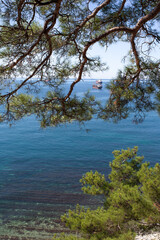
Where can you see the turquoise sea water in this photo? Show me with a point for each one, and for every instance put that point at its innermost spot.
(40, 168)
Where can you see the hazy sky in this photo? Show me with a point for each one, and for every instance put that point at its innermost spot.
(114, 56)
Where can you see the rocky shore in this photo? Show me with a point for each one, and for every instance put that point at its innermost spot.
(149, 236)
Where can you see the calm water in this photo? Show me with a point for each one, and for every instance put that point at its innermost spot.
(40, 168)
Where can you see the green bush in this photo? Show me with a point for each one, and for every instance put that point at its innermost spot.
(132, 195)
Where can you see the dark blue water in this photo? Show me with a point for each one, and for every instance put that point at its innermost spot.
(40, 168)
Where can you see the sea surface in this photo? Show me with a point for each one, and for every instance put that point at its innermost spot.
(40, 168)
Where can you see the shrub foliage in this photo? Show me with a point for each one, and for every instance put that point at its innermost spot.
(131, 199)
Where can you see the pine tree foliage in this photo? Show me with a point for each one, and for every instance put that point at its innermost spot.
(44, 42)
(131, 198)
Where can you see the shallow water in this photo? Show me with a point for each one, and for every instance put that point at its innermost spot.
(40, 168)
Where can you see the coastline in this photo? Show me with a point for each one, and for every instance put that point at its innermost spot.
(148, 236)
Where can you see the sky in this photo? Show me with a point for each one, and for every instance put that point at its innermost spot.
(114, 56)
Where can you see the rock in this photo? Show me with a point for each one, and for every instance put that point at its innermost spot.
(151, 236)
